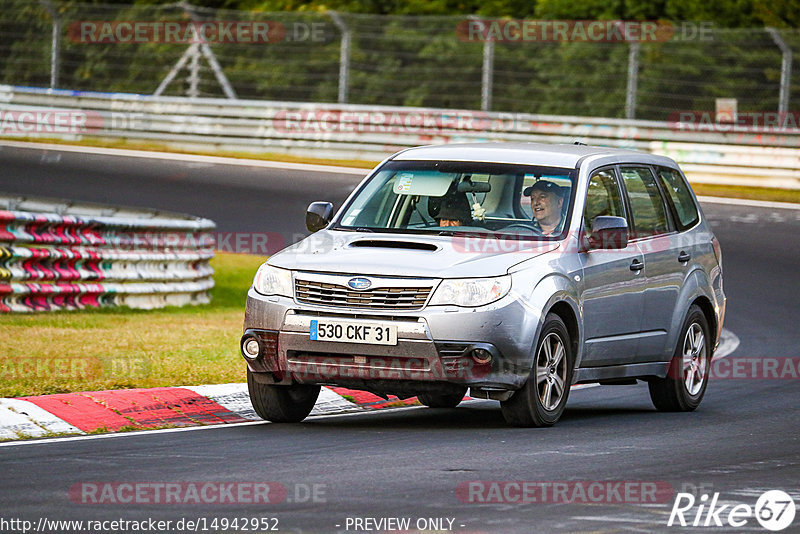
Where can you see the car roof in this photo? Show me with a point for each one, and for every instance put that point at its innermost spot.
(557, 155)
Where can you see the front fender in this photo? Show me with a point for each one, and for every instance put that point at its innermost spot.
(555, 289)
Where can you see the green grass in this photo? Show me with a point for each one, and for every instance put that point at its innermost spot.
(752, 193)
(118, 348)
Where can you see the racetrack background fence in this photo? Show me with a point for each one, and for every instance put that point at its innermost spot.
(717, 153)
(419, 61)
(63, 256)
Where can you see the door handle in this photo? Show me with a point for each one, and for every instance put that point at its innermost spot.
(637, 266)
(684, 257)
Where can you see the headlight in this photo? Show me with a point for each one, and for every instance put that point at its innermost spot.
(270, 280)
(471, 292)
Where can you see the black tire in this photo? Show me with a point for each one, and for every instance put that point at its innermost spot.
(526, 406)
(281, 404)
(442, 400)
(675, 393)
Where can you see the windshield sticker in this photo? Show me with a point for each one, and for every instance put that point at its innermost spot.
(403, 183)
(423, 183)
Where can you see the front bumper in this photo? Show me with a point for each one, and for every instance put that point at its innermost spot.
(434, 346)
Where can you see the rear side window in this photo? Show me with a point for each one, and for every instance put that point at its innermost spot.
(647, 205)
(679, 195)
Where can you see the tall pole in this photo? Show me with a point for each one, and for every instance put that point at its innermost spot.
(786, 71)
(487, 68)
(487, 75)
(633, 80)
(344, 56)
(55, 43)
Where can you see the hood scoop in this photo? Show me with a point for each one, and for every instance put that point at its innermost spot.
(386, 243)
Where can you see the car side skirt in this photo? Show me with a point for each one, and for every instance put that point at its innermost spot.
(586, 375)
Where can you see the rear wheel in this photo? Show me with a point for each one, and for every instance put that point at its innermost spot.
(687, 377)
(442, 400)
(281, 404)
(541, 401)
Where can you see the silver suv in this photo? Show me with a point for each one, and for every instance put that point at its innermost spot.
(514, 270)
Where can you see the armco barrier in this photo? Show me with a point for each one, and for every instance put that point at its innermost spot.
(713, 153)
(57, 255)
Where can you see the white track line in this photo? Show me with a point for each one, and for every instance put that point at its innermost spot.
(192, 428)
(728, 343)
(751, 203)
(174, 156)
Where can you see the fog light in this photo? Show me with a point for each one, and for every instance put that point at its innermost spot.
(251, 348)
(481, 356)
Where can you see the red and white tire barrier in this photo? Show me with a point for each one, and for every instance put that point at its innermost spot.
(58, 255)
(139, 409)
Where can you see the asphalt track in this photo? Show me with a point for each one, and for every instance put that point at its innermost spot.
(742, 441)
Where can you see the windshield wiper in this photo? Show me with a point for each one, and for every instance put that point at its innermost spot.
(463, 232)
(354, 229)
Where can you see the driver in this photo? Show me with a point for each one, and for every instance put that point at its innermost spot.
(547, 199)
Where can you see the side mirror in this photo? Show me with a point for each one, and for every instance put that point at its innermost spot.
(318, 215)
(609, 233)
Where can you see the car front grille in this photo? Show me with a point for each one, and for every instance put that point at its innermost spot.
(379, 298)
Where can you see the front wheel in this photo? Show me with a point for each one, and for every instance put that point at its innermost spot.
(281, 404)
(687, 377)
(541, 401)
(442, 400)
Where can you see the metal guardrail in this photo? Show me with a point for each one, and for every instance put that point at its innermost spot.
(712, 153)
(64, 256)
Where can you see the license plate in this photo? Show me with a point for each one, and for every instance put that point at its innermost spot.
(344, 332)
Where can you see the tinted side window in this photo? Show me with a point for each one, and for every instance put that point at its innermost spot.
(678, 191)
(647, 205)
(602, 197)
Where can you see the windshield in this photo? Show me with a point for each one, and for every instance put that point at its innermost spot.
(473, 197)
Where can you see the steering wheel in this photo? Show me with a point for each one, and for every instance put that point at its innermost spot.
(522, 226)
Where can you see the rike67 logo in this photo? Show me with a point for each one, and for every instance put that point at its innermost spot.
(774, 510)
